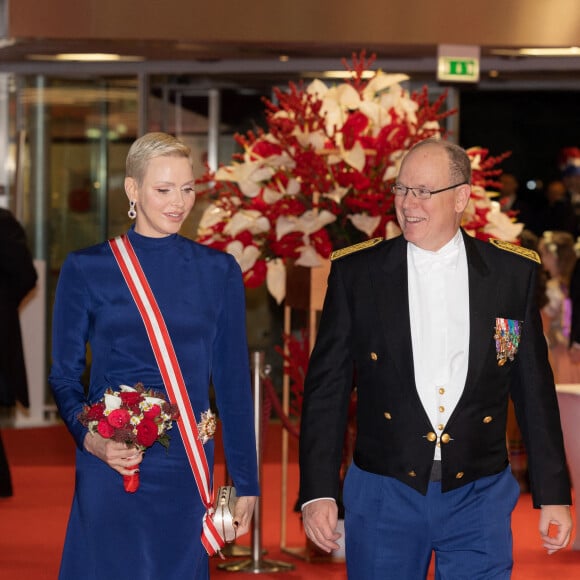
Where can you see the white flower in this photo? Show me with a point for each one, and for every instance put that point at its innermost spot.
(245, 256)
(502, 227)
(337, 193)
(212, 216)
(276, 279)
(248, 176)
(151, 401)
(337, 101)
(112, 402)
(309, 222)
(249, 219)
(309, 258)
(355, 157)
(365, 223)
(315, 139)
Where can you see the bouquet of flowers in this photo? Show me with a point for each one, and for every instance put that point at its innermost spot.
(319, 177)
(135, 416)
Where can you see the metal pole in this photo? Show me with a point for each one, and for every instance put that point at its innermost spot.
(257, 565)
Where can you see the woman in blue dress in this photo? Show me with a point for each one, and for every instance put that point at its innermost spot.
(155, 532)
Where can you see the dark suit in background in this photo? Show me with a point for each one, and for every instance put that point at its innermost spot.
(17, 279)
(575, 299)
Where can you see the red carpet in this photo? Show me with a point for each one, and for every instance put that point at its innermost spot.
(33, 522)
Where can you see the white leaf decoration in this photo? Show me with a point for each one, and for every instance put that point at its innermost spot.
(245, 256)
(365, 223)
(355, 157)
(309, 257)
(212, 216)
(276, 279)
(251, 220)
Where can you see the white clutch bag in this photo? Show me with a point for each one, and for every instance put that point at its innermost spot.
(223, 517)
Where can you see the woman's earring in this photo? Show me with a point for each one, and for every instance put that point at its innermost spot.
(132, 212)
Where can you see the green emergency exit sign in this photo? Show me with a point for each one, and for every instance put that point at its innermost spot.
(458, 69)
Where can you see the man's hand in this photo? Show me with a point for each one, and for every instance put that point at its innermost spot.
(320, 518)
(558, 518)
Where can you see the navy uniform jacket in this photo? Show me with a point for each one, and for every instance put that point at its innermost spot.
(364, 339)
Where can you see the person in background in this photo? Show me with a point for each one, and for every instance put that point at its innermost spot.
(155, 532)
(559, 260)
(555, 212)
(574, 342)
(510, 200)
(516, 447)
(436, 330)
(17, 278)
(570, 169)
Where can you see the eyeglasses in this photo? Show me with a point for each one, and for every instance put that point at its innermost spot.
(420, 192)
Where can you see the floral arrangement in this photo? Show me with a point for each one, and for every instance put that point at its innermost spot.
(319, 178)
(136, 416)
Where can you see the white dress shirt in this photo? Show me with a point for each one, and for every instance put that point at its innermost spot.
(439, 313)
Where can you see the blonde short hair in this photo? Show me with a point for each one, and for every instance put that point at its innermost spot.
(149, 146)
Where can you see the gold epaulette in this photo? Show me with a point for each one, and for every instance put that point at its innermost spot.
(354, 248)
(509, 247)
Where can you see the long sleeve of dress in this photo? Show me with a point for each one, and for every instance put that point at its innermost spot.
(70, 329)
(231, 378)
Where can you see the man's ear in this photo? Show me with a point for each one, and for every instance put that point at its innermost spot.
(462, 197)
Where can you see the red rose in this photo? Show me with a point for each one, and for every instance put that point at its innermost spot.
(154, 412)
(130, 398)
(119, 418)
(105, 429)
(146, 433)
(95, 411)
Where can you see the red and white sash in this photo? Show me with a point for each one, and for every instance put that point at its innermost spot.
(173, 380)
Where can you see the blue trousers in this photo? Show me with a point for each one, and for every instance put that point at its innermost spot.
(391, 530)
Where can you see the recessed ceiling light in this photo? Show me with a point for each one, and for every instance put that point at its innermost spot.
(86, 57)
(567, 51)
(344, 74)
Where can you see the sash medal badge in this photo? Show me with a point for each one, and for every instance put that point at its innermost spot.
(507, 339)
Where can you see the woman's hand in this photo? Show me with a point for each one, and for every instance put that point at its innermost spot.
(243, 513)
(116, 455)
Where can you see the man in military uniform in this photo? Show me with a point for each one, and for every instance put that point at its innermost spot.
(436, 330)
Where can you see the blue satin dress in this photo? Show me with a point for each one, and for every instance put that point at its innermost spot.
(154, 533)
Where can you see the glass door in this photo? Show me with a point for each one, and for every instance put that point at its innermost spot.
(70, 140)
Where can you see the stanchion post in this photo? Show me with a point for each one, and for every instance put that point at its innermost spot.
(257, 565)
